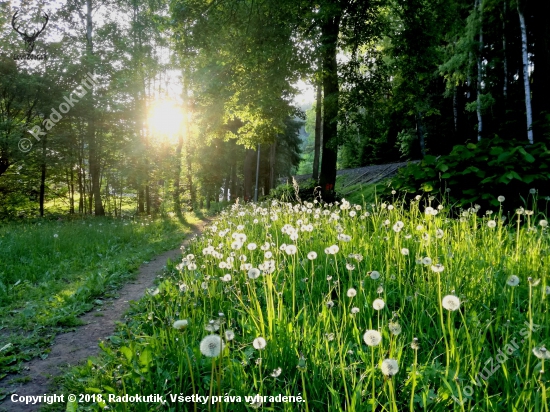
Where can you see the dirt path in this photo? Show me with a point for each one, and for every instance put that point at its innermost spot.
(73, 347)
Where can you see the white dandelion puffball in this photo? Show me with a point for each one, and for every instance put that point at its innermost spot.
(372, 337)
(389, 367)
(334, 249)
(211, 346)
(312, 255)
(501, 199)
(541, 353)
(229, 335)
(543, 223)
(491, 224)
(354, 310)
(374, 274)
(378, 304)
(180, 324)
(226, 278)
(259, 343)
(252, 246)
(351, 293)
(405, 251)
(427, 261)
(254, 273)
(291, 250)
(276, 372)
(395, 328)
(450, 302)
(512, 280)
(438, 268)
(55, 235)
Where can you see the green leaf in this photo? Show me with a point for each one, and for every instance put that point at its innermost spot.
(514, 175)
(503, 156)
(146, 357)
(72, 406)
(427, 187)
(127, 352)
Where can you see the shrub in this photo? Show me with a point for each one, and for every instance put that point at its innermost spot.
(479, 173)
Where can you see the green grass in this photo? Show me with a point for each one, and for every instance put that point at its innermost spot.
(314, 313)
(53, 271)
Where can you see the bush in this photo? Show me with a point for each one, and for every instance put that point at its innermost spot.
(479, 173)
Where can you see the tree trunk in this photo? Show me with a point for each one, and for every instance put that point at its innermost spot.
(71, 191)
(233, 186)
(43, 175)
(479, 73)
(540, 75)
(528, 112)
(455, 109)
(188, 159)
(330, 28)
(248, 174)
(272, 165)
(420, 131)
(148, 199)
(318, 120)
(141, 200)
(504, 60)
(92, 142)
(226, 186)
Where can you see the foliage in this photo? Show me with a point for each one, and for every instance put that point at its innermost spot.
(479, 173)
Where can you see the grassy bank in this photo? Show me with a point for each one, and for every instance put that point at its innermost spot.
(53, 271)
(355, 308)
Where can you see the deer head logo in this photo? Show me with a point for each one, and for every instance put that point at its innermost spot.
(29, 39)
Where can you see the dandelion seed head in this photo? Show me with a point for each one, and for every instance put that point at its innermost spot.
(372, 337)
(211, 346)
(276, 372)
(254, 273)
(351, 292)
(259, 343)
(378, 304)
(512, 280)
(374, 274)
(395, 328)
(312, 255)
(541, 352)
(450, 302)
(180, 324)
(389, 367)
(437, 268)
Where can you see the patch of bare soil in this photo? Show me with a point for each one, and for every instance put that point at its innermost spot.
(74, 347)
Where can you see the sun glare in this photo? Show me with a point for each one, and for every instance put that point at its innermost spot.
(165, 118)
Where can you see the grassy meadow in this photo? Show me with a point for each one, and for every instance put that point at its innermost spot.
(340, 308)
(53, 271)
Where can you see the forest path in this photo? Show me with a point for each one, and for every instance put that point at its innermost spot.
(71, 348)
